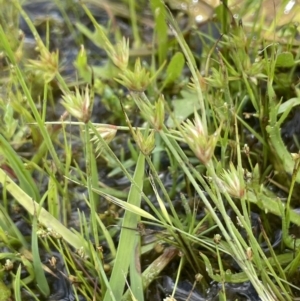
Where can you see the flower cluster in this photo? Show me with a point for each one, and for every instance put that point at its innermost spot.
(79, 104)
(196, 136)
(233, 181)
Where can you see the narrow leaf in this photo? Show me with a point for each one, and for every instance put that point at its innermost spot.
(44, 217)
(23, 175)
(37, 264)
(17, 285)
(127, 237)
(174, 69)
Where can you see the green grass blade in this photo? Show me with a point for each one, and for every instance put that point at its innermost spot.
(156, 267)
(92, 178)
(23, 175)
(37, 264)
(161, 28)
(44, 217)
(21, 79)
(279, 150)
(136, 283)
(17, 285)
(11, 230)
(127, 237)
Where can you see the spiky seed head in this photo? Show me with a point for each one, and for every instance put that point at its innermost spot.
(79, 104)
(120, 54)
(159, 113)
(137, 80)
(233, 181)
(108, 133)
(145, 144)
(196, 136)
(217, 238)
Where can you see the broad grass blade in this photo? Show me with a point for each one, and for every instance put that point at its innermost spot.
(127, 238)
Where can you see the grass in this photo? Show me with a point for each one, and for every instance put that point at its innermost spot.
(232, 195)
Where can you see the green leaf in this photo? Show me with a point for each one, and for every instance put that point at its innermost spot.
(21, 81)
(229, 277)
(127, 206)
(10, 235)
(37, 264)
(26, 181)
(127, 242)
(281, 156)
(161, 28)
(174, 68)
(288, 105)
(184, 107)
(17, 285)
(96, 36)
(44, 217)
(5, 292)
(82, 67)
(285, 60)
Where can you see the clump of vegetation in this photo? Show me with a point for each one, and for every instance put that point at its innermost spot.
(162, 165)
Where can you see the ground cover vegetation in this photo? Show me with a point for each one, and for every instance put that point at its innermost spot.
(149, 150)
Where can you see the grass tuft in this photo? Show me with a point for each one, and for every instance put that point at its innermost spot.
(149, 149)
